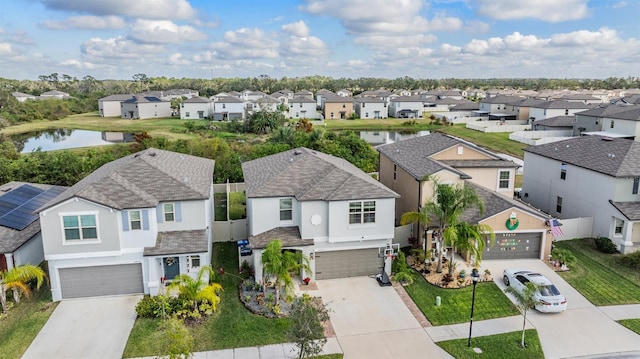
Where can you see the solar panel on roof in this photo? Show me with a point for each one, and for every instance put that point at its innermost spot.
(17, 207)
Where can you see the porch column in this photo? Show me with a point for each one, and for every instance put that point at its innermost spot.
(9, 258)
(627, 237)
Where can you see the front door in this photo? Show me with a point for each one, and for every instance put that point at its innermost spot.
(171, 267)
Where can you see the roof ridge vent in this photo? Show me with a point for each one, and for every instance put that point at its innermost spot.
(297, 152)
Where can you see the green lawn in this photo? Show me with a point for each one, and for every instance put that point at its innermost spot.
(600, 277)
(220, 206)
(497, 346)
(494, 141)
(455, 306)
(633, 324)
(22, 323)
(237, 206)
(232, 326)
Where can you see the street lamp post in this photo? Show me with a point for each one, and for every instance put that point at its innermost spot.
(474, 277)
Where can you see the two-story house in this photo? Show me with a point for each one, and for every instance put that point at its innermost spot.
(500, 107)
(227, 108)
(303, 107)
(371, 107)
(130, 225)
(588, 176)
(141, 107)
(110, 106)
(406, 107)
(336, 215)
(615, 120)
(411, 166)
(337, 107)
(556, 108)
(196, 108)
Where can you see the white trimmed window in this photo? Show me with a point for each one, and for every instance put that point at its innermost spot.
(286, 209)
(193, 262)
(503, 182)
(169, 212)
(80, 227)
(135, 219)
(362, 212)
(619, 225)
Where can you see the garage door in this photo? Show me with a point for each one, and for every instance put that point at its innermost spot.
(340, 264)
(101, 280)
(514, 246)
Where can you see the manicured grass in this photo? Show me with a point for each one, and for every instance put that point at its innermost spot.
(237, 206)
(22, 323)
(455, 306)
(497, 346)
(494, 141)
(633, 324)
(386, 124)
(600, 277)
(232, 326)
(220, 206)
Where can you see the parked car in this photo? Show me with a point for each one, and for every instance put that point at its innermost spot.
(549, 299)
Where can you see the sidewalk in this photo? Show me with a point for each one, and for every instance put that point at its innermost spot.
(480, 328)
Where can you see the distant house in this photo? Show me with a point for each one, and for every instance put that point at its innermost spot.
(338, 107)
(303, 107)
(54, 94)
(266, 103)
(500, 107)
(303, 93)
(129, 226)
(344, 93)
(618, 120)
(556, 108)
(141, 107)
(588, 176)
(20, 235)
(320, 96)
(553, 123)
(196, 108)
(110, 106)
(22, 97)
(371, 107)
(406, 107)
(227, 108)
(524, 108)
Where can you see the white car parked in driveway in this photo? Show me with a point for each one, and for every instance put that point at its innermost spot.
(548, 298)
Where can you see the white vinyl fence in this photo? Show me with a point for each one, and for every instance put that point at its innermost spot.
(581, 227)
(402, 234)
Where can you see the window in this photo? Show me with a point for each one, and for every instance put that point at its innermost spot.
(395, 172)
(559, 204)
(286, 209)
(636, 181)
(169, 212)
(193, 262)
(135, 219)
(224, 105)
(186, 114)
(612, 123)
(362, 212)
(460, 150)
(366, 114)
(363, 104)
(566, 112)
(80, 227)
(619, 225)
(504, 179)
(344, 105)
(331, 114)
(563, 171)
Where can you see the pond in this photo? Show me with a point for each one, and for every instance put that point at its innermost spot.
(64, 138)
(377, 138)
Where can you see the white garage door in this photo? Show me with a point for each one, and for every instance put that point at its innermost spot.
(353, 263)
(101, 280)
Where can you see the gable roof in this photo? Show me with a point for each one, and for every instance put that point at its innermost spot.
(617, 157)
(143, 99)
(561, 104)
(414, 98)
(197, 99)
(117, 97)
(556, 121)
(495, 203)
(605, 110)
(414, 155)
(11, 239)
(302, 99)
(502, 99)
(310, 175)
(143, 179)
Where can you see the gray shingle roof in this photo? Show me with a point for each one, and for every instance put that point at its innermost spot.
(197, 99)
(12, 239)
(414, 155)
(495, 203)
(528, 102)
(557, 121)
(616, 157)
(301, 100)
(467, 106)
(229, 99)
(117, 97)
(290, 237)
(502, 99)
(560, 104)
(368, 99)
(631, 210)
(143, 179)
(414, 98)
(496, 163)
(310, 175)
(605, 110)
(179, 242)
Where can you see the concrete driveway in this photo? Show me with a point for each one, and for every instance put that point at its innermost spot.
(583, 329)
(372, 321)
(86, 328)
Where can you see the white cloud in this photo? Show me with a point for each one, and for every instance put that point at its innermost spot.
(483, 47)
(450, 49)
(177, 59)
(86, 23)
(382, 42)
(148, 9)
(6, 48)
(545, 10)
(82, 65)
(164, 31)
(603, 37)
(298, 28)
(517, 40)
(119, 48)
(246, 43)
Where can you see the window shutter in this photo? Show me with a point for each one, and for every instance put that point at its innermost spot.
(159, 213)
(145, 219)
(125, 220)
(177, 207)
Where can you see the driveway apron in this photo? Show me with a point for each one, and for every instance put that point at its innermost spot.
(372, 321)
(86, 328)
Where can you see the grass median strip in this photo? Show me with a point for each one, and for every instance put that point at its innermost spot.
(497, 346)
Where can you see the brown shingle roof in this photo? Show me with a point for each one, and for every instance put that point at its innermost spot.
(290, 237)
(179, 242)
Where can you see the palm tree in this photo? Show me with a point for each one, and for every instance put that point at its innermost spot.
(468, 238)
(279, 265)
(17, 279)
(198, 289)
(525, 300)
(446, 207)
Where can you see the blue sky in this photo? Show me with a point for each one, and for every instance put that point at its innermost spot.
(115, 39)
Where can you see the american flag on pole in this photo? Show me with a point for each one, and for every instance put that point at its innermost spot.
(555, 227)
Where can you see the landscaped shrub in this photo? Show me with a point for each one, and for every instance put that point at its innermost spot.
(631, 260)
(154, 307)
(605, 245)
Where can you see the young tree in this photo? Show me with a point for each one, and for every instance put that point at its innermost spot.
(307, 332)
(17, 279)
(176, 340)
(469, 238)
(525, 300)
(198, 289)
(279, 264)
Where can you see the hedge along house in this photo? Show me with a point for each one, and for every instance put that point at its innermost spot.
(130, 225)
(410, 166)
(323, 206)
